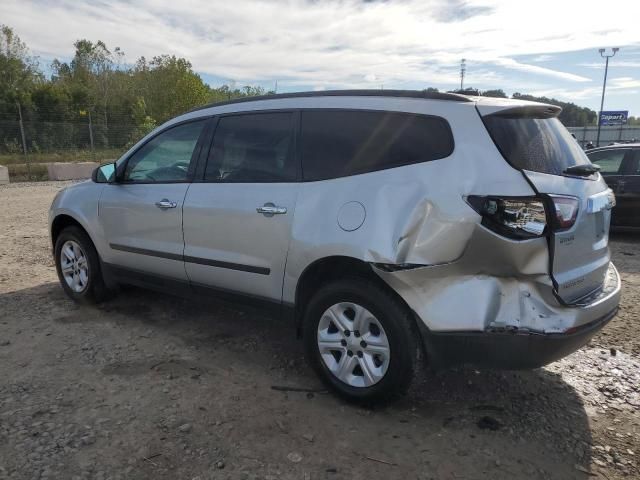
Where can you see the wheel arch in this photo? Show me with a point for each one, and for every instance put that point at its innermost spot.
(326, 269)
(62, 221)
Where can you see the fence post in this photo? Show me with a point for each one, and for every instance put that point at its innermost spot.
(24, 142)
(90, 131)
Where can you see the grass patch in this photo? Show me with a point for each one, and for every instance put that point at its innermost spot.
(20, 173)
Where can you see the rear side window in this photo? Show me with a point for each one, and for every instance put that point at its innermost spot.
(338, 143)
(635, 164)
(253, 148)
(538, 144)
(609, 161)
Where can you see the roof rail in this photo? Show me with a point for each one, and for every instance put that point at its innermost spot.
(346, 93)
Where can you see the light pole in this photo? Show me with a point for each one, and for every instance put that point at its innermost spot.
(604, 86)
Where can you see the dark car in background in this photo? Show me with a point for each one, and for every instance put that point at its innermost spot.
(620, 167)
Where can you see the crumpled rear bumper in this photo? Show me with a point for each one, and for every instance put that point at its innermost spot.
(508, 322)
(507, 350)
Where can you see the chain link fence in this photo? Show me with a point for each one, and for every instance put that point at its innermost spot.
(31, 139)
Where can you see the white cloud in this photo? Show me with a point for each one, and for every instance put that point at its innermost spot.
(510, 63)
(542, 58)
(612, 63)
(571, 95)
(624, 83)
(349, 43)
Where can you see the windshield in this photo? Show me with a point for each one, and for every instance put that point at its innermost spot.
(538, 144)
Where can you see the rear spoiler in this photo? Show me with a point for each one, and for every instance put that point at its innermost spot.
(521, 111)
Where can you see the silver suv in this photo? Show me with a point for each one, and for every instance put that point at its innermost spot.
(385, 224)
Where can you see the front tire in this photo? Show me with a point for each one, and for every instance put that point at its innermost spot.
(361, 340)
(78, 267)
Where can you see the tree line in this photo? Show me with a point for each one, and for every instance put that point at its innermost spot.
(119, 101)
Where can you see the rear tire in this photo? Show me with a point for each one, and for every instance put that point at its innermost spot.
(78, 267)
(368, 366)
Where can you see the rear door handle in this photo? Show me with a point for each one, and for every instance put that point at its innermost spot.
(269, 210)
(164, 203)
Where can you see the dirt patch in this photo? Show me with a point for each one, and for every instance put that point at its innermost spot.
(149, 387)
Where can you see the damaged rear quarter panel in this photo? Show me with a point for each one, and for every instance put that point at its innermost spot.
(497, 283)
(414, 214)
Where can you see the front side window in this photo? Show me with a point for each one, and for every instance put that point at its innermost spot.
(339, 143)
(166, 157)
(253, 148)
(609, 161)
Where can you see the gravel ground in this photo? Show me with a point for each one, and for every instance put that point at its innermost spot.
(148, 386)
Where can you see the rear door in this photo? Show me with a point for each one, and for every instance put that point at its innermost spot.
(532, 140)
(238, 217)
(613, 163)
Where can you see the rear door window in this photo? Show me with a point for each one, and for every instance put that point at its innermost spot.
(609, 161)
(253, 148)
(339, 143)
(538, 144)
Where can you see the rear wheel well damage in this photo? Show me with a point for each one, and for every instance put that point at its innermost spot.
(329, 269)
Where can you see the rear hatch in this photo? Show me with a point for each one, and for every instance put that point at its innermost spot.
(533, 140)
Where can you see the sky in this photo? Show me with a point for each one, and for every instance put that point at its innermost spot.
(541, 47)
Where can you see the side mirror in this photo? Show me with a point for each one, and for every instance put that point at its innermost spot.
(104, 173)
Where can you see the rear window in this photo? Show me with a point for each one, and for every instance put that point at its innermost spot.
(338, 143)
(538, 144)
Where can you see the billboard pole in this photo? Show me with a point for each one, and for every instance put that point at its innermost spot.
(604, 86)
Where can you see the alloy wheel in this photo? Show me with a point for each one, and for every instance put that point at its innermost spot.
(74, 266)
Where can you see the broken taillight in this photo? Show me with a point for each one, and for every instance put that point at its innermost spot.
(566, 211)
(513, 217)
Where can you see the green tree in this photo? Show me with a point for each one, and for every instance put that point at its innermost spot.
(169, 86)
(19, 72)
(499, 93)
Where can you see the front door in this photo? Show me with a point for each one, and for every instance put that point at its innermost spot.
(237, 219)
(141, 213)
(628, 191)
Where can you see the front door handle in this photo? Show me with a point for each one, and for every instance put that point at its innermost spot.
(269, 210)
(164, 203)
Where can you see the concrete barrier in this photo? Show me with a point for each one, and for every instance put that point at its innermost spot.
(4, 175)
(71, 171)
